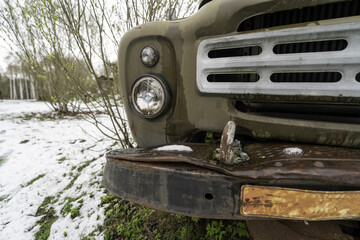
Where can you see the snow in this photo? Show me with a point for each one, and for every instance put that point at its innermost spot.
(55, 148)
(180, 148)
(293, 151)
(15, 108)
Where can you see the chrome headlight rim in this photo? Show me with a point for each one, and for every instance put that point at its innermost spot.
(165, 89)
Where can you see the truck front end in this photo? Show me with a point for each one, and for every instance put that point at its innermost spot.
(282, 77)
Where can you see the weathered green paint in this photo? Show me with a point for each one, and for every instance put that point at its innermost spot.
(192, 111)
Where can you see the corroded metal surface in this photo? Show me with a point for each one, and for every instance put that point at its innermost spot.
(178, 188)
(299, 204)
(191, 183)
(271, 163)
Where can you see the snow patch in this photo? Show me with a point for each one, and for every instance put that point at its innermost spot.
(293, 151)
(32, 147)
(180, 148)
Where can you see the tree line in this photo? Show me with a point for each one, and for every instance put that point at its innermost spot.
(67, 50)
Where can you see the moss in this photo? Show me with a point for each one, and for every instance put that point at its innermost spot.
(34, 180)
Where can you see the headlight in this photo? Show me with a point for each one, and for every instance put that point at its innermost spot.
(149, 56)
(150, 96)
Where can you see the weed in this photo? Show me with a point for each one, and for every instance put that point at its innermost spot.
(242, 230)
(47, 220)
(45, 225)
(194, 219)
(4, 198)
(75, 212)
(61, 160)
(68, 206)
(2, 160)
(43, 208)
(215, 230)
(229, 230)
(87, 163)
(33, 180)
(72, 181)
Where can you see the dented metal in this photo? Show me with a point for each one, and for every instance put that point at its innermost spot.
(191, 183)
(317, 166)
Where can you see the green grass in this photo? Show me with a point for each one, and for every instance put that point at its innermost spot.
(126, 220)
(4, 198)
(72, 181)
(34, 180)
(2, 160)
(48, 218)
(45, 225)
(68, 206)
(61, 160)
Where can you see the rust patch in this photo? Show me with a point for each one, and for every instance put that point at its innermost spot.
(275, 202)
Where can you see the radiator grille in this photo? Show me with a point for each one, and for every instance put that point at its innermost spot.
(307, 77)
(305, 61)
(314, 46)
(306, 14)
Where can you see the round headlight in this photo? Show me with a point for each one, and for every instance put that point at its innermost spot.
(150, 96)
(149, 56)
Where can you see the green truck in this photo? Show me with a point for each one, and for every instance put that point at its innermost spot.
(249, 109)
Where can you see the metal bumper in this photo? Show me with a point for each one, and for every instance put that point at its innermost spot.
(190, 183)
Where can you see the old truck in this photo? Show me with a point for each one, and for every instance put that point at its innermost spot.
(272, 86)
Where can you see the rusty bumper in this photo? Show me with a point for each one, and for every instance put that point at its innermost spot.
(191, 183)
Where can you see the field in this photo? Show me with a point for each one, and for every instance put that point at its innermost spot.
(50, 185)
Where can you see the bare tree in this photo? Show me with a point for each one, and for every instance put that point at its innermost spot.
(48, 33)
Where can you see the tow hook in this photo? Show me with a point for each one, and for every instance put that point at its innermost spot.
(230, 152)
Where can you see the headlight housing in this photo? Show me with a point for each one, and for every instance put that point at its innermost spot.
(150, 96)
